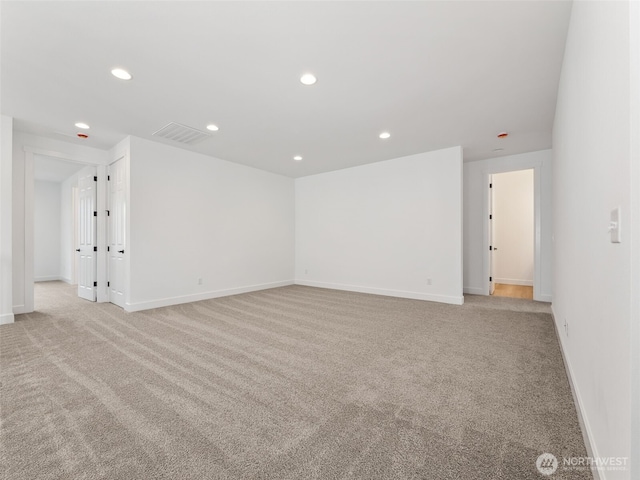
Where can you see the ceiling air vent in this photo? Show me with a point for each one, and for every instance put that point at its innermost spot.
(181, 134)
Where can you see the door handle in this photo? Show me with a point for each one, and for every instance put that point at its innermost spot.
(120, 251)
(77, 249)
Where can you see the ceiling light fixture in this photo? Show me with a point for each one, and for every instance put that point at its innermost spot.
(308, 79)
(82, 125)
(297, 158)
(121, 74)
(384, 135)
(213, 128)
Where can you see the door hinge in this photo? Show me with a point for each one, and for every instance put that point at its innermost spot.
(490, 216)
(490, 247)
(95, 249)
(108, 178)
(490, 279)
(108, 284)
(108, 213)
(108, 249)
(95, 214)
(491, 185)
(95, 179)
(95, 284)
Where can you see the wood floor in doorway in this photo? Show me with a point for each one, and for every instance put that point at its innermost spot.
(513, 291)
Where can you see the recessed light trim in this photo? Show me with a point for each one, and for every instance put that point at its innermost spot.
(121, 73)
(308, 79)
(297, 158)
(82, 125)
(384, 135)
(212, 128)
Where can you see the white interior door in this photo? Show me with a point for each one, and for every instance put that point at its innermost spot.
(117, 223)
(85, 252)
(492, 240)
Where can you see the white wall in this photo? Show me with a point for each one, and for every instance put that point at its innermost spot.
(635, 236)
(67, 224)
(513, 220)
(476, 218)
(592, 279)
(384, 228)
(193, 216)
(24, 147)
(46, 259)
(6, 226)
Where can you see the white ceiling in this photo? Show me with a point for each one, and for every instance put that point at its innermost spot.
(50, 169)
(434, 74)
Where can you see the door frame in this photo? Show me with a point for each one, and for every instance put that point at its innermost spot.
(486, 257)
(29, 226)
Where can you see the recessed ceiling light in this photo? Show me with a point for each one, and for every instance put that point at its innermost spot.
(308, 79)
(297, 158)
(82, 125)
(212, 127)
(121, 74)
(384, 135)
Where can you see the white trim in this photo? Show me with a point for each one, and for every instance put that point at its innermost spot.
(50, 278)
(544, 298)
(513, 281)
(585, 428)
(59, 155)
(7, 318)
(29, 230)
(196, 297)
(473, 290)
(453, 300)
(536, 166)
(19, 309)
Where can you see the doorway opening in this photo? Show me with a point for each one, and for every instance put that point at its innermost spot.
(57, 229)
(512, 234)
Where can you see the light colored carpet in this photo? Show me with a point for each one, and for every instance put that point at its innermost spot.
(288, 383)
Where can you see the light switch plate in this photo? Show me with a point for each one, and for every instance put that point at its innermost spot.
(614, 227)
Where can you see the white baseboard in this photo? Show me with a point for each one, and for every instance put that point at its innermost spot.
(543, 297)
(473, 290)
(196, 297)
(19, 309)
(577, 400)
(7, 318)
(50, 278)
(450, 299)
(513, 281)
(66, 280)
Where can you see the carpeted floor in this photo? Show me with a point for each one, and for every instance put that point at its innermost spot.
(289, 383)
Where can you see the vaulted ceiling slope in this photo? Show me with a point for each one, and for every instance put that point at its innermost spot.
(432, 74)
